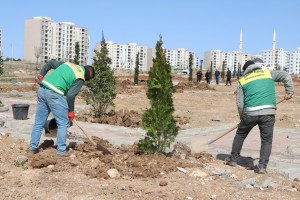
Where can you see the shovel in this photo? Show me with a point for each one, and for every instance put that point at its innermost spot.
(202, 145)
(97, 146)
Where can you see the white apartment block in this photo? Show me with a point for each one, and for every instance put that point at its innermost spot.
(179, 58)
(295, 62)
(55, 40)
(123, 56)
(282, 59)
(0, 42)
(231, 59)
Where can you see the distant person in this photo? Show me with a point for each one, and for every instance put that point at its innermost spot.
(57, 95)
(228, 77)
(217, 76)
(207, 77)
(199, 76)
(256, 103)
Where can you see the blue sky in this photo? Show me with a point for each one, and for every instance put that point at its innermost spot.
(197, 25)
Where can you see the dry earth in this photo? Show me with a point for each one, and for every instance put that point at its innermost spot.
(88, 174)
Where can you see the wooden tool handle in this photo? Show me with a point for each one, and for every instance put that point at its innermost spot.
(88, 136)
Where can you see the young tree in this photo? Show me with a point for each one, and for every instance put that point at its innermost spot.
(223, 70)
(234, 71)
(102, 88)
(77, 51)
(136, 69)
(191, 67)
(239, 72)
(158, 120)
(211, 69)
(1, 64)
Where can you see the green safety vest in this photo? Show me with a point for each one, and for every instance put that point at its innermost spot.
(61, 79)
(259, 90)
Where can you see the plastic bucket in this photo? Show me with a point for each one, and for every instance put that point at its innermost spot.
(51, 126)
(20, 111)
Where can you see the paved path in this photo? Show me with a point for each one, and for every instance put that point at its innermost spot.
(285, 153)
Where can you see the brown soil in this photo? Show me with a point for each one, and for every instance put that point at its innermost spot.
(178, 175)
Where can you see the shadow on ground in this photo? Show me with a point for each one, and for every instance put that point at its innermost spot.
(247, 162)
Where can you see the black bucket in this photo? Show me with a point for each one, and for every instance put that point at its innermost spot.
(20, 111)
(51, 126)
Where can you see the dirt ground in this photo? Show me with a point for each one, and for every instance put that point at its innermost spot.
(88, 174)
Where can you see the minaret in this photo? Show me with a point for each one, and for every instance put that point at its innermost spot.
(241, 47)
(274, 49)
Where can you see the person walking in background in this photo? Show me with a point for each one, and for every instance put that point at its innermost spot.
(228, 77)
(256, 102)
(199, 75)
(217, 76)
(56, 94)
(207, 77)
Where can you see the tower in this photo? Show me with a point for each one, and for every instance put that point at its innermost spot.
(274, 50)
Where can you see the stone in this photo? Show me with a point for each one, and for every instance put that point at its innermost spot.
(297, 179)
(246, 183)
(163, 183)
(50, 166)
(72, 156)
(234, 176)
(182, 170)
(296, 185)
(198, 173)
(113, 173)
(293, 190)
(267, 182)
(213, 196)
(21, 160)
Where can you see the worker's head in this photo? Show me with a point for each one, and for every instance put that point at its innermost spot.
(89, 72)
(247, 64)
(256, 61)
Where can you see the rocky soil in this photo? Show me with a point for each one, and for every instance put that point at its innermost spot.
(126, 174)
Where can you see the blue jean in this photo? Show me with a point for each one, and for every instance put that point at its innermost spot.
(266, 126)
(49, 101)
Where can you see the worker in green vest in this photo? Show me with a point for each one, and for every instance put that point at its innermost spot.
(56, 94)
(256, 102)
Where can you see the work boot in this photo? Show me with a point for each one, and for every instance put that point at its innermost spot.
(261, 169)
(32, 152)
(230, 162)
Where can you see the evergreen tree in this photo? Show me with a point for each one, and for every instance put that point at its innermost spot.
(102, 88)
(136, 69)
(77, 51)
(1, 64)
(190, 67)
(234, 71)
(158, 120)
(223, 70)
(211, 69)
(239, 72)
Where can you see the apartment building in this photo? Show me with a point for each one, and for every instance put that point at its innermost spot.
(179, 58)
(54, 40)
(294, 62)
(0, 42)
(282, 59)
(230, 59)
(123, 56)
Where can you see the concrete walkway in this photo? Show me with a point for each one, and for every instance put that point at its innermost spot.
(285, 155)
